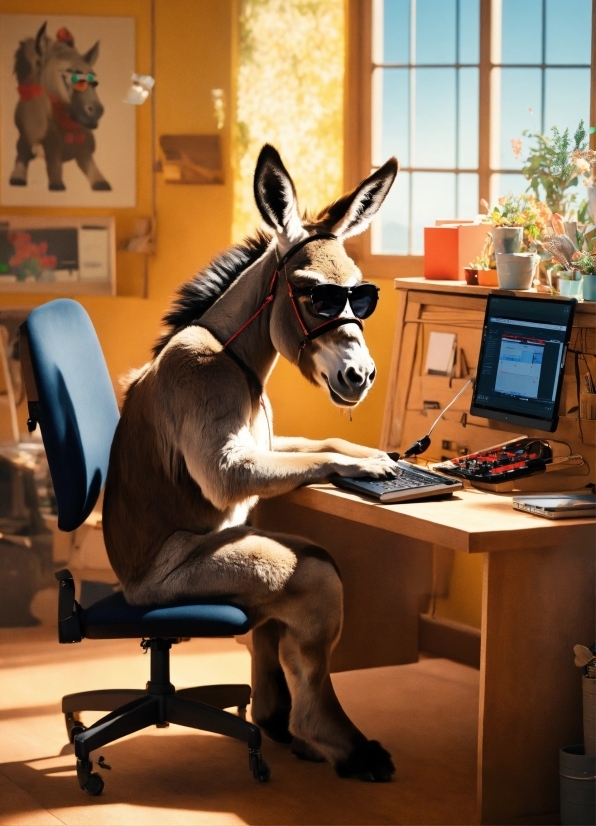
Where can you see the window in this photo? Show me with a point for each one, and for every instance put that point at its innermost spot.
(445, 85)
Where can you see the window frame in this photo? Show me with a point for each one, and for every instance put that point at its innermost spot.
(358, 123)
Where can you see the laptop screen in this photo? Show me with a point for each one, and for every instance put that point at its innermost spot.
(522, 359)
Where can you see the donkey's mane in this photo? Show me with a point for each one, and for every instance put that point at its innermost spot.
(202, 291)
(22, 64)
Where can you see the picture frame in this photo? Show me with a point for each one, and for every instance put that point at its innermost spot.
(57, 255)
(68, 136)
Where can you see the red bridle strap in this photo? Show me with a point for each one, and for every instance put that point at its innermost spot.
(309, 335)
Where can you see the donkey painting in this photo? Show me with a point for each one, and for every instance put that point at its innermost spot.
(58, 108)
(194, 450)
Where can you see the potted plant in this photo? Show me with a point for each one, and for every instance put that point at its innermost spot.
(484, 265)
(552, 169)
(579, 267)
(517, 222)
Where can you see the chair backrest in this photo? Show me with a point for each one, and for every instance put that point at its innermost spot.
(71, 396)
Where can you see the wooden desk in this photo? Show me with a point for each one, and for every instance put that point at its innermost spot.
(537, 603)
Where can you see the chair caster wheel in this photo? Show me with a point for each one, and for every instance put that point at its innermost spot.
(242, 712)
(90, 783)
(257, 765)
(94, 785)
(74, 725)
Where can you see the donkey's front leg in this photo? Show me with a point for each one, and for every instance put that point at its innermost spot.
(241, 471)
(24, 155)
(296, 444)
(53, 155)
(90, 169)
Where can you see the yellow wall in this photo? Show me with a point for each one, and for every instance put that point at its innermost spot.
(194, 54)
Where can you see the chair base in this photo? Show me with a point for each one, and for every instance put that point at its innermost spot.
(131, 710)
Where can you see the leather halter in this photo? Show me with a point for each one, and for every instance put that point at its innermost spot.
(309, 335)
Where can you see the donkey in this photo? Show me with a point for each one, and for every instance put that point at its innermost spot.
(194, 450)
(69, 83)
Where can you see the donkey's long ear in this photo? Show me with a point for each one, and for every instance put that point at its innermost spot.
(91, 56)
(275, 195)
(41, 40)
(354, 212)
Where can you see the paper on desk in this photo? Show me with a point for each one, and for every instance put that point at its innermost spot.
(440, 354)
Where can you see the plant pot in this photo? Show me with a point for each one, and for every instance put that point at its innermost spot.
(589, 287)
(515, 270)
(488, 278)
(577, 777)
(570, 287)
(471, 274)
(507, 239)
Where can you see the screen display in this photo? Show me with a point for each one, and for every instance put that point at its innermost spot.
(522, 358)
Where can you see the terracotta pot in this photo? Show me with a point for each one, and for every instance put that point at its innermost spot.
(471, 274)
(488, 278)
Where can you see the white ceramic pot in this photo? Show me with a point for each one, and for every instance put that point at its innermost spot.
(589, 287)
(515, 270)
(570, 287)
(507, 239)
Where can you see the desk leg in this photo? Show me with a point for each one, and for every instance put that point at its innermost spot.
(536, 605)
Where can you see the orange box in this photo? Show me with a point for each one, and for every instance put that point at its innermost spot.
(450, 247)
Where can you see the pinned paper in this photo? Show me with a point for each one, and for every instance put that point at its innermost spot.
(440, 355)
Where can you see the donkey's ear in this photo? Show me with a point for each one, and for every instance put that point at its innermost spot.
(41, 40)
(275, 194)
(354, 212)
(91, 56)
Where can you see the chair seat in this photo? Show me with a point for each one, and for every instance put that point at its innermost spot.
(114, 618)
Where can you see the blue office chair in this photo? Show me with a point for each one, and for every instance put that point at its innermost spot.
(70, 395)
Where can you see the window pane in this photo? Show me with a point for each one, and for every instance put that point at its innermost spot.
(434, 133)
(395, 41)
(467, 195)
(435, 31)
(433, 197)
(469, 31)
(567, 99)
(392, 95)
(390, 229)
(562, 47)
(520, 92)
(521, 32)
(468, 119)
(504, 183)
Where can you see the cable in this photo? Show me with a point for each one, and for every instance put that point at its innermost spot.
(424, 443)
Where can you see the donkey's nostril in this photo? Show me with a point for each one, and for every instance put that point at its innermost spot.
(371, 378)
(341, 379)
(354, 377)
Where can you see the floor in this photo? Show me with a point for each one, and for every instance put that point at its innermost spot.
(424, 714)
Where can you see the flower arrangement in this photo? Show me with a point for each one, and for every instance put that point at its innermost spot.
(29, 259)
(521, 211)
(565, 254)
(553, 166)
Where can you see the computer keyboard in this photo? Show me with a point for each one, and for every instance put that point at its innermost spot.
(412, 483)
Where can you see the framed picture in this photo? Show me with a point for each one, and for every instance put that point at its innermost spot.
(57, 255)
(68, 137)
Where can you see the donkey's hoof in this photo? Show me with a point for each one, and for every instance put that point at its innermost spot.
(56, 187)
(102, 186)
(304, 751)
(276, 726)
(369, 761)
(18, 182)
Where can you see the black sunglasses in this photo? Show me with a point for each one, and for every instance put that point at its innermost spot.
(329, 300)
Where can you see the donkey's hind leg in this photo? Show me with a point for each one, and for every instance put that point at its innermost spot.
(271, 701)
(287, 579)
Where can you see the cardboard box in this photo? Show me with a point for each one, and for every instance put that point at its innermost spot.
(450, 247)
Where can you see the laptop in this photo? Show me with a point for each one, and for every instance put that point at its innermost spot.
(558, 505)
(411, 483)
